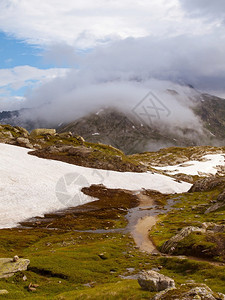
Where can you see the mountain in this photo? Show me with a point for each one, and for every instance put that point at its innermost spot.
(125, 132)
(179, 116)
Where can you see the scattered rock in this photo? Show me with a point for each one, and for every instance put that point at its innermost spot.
(32, 287)
(154, 281)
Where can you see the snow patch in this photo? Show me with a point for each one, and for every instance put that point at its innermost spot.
(32, 186)
(207, 165)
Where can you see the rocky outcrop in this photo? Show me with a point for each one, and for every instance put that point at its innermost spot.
(90, 157)
(155, 282)
(212, 245)
(9, 266)
(171, 245)
(207, 184)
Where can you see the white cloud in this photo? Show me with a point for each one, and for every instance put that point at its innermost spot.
(84, 23)
(12, 80)
(212, 10)
(159, 40)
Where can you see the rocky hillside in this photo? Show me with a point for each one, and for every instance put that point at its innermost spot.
(48, 144)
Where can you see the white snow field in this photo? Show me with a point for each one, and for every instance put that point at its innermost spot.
(206, 166)
(31, 186)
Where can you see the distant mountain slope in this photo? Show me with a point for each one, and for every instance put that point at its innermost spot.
(125, 132)
(185, 118)
(211, 110)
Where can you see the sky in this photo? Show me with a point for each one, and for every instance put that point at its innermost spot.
(50, 49)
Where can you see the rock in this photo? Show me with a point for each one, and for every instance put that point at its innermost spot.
(42, 131)
(194, 291)
(32, 287)
(220, 170)
(170, 245)
(24, 278)
(184, 177)
(221, 197)
(24, 142)
(80, 151)
(65, 135)
(162, 293)
(80, 139)
(201, 292)
(8, 267)
(3, 292)
(37, 146)
(103, 256)
(207, 184)
(155, 282)
(219, 203)
(22, 130)
(15, 258)
(8, 134)
(209, 226)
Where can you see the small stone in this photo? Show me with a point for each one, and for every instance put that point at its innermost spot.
(102, 256)
(24, 278)
(15, 258)
(32, 287)
(3, 292)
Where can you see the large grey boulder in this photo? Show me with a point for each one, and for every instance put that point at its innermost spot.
(9, 266)
(155, 282)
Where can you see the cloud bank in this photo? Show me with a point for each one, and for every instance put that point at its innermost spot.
(121, 73)
(118, 51)
(86, 23)
(210, 10)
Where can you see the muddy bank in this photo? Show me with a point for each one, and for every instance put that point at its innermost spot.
(106, 213)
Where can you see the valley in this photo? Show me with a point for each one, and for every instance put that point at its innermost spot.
(92, 241)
